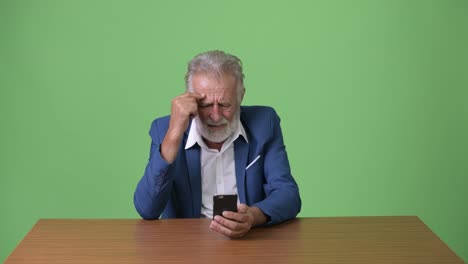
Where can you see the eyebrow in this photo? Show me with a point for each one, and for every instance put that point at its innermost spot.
(204, 101)
(204, 104)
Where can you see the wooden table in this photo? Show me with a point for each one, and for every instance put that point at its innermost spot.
(304, 240)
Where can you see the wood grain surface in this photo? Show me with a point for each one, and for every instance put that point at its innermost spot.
(362, 240)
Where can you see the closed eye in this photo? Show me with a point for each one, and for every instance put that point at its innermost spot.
(225, 105)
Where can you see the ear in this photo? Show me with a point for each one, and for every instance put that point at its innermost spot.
(242, 96)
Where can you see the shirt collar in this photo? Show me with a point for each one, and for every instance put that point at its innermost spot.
(195, 137)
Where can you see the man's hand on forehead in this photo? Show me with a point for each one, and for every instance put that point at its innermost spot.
(183, 108)
(197, 96)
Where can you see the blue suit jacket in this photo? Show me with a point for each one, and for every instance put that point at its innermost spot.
(175, 189)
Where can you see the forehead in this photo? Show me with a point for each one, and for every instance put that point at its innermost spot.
(215, 87)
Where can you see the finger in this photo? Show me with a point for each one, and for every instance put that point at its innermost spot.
(224, 230)
(239, 217)
(190, 103)
(197, 96)
(230, 224)
(221, 229)
(185, 107)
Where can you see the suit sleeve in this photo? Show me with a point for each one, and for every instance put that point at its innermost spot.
(153, 190)
(282, 200)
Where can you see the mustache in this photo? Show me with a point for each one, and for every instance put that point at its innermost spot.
(219, 123)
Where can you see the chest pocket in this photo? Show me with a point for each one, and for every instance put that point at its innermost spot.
(254, 180)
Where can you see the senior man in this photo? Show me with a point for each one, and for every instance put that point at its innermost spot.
(209, 145)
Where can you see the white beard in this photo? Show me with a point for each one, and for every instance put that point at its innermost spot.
(221, 135)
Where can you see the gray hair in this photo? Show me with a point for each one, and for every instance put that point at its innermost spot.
(216, 62)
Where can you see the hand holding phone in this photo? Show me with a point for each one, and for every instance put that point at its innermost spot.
(224, 202)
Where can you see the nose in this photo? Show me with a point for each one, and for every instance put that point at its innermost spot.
(215, 115)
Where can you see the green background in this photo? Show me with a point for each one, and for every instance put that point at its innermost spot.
(372, 95)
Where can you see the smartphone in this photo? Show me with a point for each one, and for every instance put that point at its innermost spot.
(224, 202)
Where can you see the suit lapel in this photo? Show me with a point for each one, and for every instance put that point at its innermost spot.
(241, 153)
(192, 156)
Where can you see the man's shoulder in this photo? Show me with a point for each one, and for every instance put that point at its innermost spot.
(159, 126)
(258, 117)
(161, 122)
(164, 120)
(252, 111)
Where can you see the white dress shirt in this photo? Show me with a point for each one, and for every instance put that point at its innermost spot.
(218, 170)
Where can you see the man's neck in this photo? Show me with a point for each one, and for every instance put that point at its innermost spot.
(214, 145)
